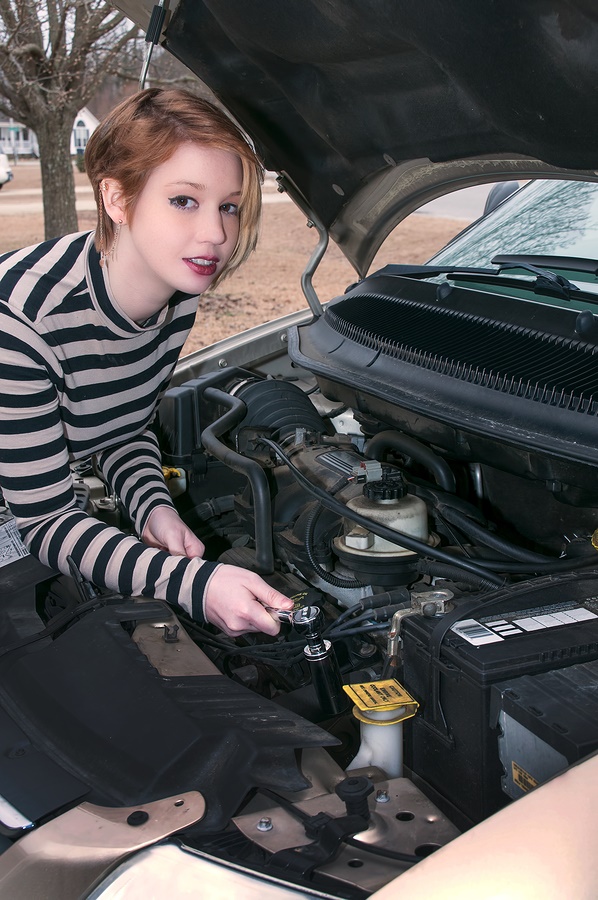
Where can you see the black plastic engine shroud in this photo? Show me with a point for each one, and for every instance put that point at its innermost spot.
(87, 716)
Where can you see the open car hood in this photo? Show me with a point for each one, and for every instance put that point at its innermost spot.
(370, 109)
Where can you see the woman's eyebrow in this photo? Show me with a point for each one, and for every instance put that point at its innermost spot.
(189, 184)
(198, 187)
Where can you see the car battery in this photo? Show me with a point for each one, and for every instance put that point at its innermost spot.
(546, 723)
(451, 665)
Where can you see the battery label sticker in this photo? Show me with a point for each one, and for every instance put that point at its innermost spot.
(490, 629)
(476, 633)
(570, 617)
(11, 545)
(522, 778)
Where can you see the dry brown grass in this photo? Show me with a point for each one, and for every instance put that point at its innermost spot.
(28, 228)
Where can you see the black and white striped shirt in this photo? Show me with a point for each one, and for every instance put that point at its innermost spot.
(78, 378)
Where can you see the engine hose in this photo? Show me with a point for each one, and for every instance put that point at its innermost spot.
(566, 564)
(365, 628)
(488, 539)
(204, 512)
(526, 565)
(264, 552)
(439, 499)
(328, 577)
(399, 597)
(453, 573)
(409, 446)
(396, 537)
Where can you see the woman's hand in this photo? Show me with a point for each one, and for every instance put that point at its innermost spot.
(165, 530)
(235, 598)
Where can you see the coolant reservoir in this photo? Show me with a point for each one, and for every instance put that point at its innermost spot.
(387, 503)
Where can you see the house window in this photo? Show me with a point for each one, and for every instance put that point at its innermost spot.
(81, 135)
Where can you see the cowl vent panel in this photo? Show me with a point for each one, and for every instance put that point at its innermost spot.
(512, 359)
(488, 377)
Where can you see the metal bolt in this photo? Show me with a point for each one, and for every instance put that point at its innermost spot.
(284, 337)
(429, 609)
(382, 797)
(222, 363)
(265, 824)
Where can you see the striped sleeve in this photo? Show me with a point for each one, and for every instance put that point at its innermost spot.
(134, 471)
(37, 485)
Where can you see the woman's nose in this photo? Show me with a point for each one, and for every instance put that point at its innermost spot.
(211, 229)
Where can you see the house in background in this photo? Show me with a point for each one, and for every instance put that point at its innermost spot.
(18, 140)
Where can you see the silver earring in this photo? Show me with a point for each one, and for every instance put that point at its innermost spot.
(107, 255)
(101, 228)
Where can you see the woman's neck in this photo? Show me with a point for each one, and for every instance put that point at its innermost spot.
(136, 300)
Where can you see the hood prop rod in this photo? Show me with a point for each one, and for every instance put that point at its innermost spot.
(313, 263)
(286, 185)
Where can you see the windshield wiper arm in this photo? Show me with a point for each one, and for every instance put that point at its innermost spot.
(406, 271)
(546, 282)
(570, 263)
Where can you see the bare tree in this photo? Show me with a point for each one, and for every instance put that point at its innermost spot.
(54, 55)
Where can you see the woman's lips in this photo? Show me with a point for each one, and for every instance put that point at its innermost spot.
(203, 265)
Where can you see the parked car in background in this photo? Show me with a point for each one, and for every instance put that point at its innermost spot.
(5, 170)
(413, 460)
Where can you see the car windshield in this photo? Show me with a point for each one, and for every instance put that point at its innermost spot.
(550, 218)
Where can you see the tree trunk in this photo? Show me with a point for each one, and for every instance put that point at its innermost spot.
(58, 182)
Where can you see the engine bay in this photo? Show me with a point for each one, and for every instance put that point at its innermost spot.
(442, 657)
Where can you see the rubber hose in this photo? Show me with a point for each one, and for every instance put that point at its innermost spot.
(389, 534)
(453, 573)
(488, 539)
(437, 499)
(411, 447)
(264, 553)
(328, 577)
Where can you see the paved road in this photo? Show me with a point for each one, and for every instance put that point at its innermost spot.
(21, 201)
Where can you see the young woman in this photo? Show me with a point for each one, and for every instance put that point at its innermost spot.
(91, 326)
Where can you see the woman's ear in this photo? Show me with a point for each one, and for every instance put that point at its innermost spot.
(113, 200)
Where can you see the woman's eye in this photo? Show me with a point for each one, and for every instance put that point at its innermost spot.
(182, 202)
(231, 209)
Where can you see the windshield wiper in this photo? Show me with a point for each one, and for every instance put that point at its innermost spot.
(406, 271)
(545, 282)
(569, 263)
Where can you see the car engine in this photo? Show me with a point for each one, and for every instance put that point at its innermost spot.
(434, 520)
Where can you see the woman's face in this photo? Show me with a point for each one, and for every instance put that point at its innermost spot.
(185, 224)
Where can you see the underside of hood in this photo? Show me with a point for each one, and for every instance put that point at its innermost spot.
(370, 108)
